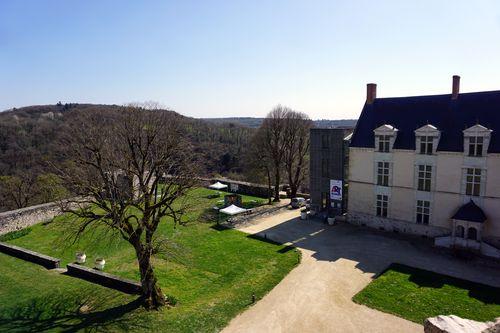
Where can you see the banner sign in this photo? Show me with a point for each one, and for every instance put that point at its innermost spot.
(335, 189)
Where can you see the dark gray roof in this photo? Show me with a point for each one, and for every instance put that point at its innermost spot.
(470, 212)
(451, 117)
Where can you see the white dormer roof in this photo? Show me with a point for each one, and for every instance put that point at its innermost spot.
(477, 130)
(385, 129)
(427, 130)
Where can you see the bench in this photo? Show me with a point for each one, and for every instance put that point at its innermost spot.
(28, 255)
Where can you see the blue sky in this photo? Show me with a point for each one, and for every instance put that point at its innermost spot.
(240, 58)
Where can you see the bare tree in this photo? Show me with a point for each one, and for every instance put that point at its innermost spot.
(17, 191)
(131, 171)
(297, 144)
(273, 142)
(260, 163)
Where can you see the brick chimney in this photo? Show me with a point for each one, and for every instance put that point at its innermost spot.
(371, 92)
(456, 87)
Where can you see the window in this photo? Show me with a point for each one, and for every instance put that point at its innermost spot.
(424, 177)
(459, 231)
(476, 146)
(426, 145)
(324, 167)
(384, 142)
(324, 141)
(423, 212)
(382, 202)
(473, 182)
(383, 173)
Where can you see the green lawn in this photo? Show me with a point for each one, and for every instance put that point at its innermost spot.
(416, 294)
(212, 272)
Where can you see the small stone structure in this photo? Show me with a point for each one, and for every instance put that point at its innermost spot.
(454, 324)
(21, 218)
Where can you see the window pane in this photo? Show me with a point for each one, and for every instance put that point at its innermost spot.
(468, 189)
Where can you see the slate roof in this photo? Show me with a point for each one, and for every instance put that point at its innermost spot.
(450, 117)
(470, 212)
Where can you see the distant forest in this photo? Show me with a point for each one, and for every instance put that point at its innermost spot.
(30, 147)
(256, 122)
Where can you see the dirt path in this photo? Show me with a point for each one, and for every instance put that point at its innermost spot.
(337, 262)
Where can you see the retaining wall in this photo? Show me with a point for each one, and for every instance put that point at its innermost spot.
(21, 218)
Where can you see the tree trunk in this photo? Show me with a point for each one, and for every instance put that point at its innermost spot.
(277, 185)
(152, 295)
(269, 192)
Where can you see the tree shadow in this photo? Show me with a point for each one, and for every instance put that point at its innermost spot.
(427, 279)
(90, 313)
(372, 251)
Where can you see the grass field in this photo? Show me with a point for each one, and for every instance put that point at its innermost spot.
(212, 272)
(416, 294)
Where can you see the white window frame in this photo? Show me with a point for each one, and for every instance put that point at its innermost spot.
(475, 132)
(384, 175)
(382, 205)
(428, 132)
(423, 169)
(423, 208)
(474, 180)
(477, 145)
(385, 134)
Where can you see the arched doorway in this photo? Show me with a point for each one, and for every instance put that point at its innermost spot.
(459, 231)
(472, 233)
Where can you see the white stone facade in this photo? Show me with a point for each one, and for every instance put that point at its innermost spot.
(446, 194)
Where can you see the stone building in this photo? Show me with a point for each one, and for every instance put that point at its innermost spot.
(429, 165)
(328, 162)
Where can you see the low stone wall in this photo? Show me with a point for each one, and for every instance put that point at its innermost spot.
(28, 255)
(104, 279)
(387, 224)
(21, 218)
(258, 212)
(256, 190)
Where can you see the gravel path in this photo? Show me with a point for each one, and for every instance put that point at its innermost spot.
(337, 262)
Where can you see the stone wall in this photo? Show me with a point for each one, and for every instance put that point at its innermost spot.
(396, 225)
(25, 217)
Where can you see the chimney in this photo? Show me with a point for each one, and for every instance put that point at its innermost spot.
(456, 87)
(371, 92)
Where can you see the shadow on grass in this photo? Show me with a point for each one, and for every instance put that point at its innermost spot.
(428, 279)
(264, 238)
(93, 312)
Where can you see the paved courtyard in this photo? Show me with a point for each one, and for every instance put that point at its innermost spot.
(337, 262)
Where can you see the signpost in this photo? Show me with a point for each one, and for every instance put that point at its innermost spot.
(335, 189)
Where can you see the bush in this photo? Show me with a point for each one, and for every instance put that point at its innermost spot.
(15, 234)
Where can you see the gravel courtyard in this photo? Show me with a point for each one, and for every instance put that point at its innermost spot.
(337, 262)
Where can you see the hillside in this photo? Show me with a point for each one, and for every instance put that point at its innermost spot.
(29, 139)
(255, 122)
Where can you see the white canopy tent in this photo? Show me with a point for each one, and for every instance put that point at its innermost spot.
(218, 186)
(232, 210)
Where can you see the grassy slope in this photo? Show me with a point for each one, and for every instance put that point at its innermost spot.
(416, 294)
(211, 272)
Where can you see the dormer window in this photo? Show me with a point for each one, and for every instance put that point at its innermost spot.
(426, 145)
(385, 136)
(384, 143)
(476, 140)
(427, 138)
(476, 146)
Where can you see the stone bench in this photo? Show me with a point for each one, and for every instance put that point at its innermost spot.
(28, 255)
(104, 279)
